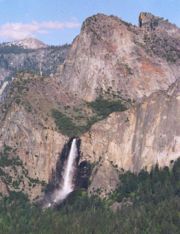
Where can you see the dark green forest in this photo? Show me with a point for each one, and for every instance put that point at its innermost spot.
(150, 203)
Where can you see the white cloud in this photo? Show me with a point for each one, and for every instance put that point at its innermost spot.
(16, 31)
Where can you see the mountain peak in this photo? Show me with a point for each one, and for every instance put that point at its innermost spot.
(101, 21)
(29, 43)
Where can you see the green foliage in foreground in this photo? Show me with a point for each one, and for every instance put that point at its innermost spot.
(83, 215)
(22, 218)
(146, 187)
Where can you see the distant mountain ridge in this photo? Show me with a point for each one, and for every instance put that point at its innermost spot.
(30, 55)
(27, 43)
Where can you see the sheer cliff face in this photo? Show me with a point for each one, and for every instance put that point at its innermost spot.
(111, 54)
(140, 137)
(140, 64)
(145, 135)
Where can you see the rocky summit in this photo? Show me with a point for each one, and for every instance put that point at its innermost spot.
(110, 54)
(116, 87)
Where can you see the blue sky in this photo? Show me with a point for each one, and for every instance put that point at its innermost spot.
(58, 21)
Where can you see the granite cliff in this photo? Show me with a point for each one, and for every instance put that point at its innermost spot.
(110, 54)
(131, 71)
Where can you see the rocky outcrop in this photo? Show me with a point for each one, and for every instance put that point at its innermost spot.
(110, 54)
(150, 22)
(104, 178)
(161, 38)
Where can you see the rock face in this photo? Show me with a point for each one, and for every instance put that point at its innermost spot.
(141, 137)
(161, 38)
(109, 58)
(111, 54)
(27, 128)
(37, 146)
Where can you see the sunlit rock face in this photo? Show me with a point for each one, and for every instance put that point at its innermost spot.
(112, 54)
(37, 147)
(28, 128)
(136, 139)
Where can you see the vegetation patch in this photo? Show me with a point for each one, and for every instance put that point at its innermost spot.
(64, 123)
(104, 107)
(73, 123)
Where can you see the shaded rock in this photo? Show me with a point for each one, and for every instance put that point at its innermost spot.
(104, 179)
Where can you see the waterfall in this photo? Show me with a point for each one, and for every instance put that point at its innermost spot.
(2, 89)
(67, 185)
(68, 173)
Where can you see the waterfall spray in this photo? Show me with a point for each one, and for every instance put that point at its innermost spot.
(67, 185)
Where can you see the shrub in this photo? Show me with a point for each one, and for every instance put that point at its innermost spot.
(65, 124)
(104, 107)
